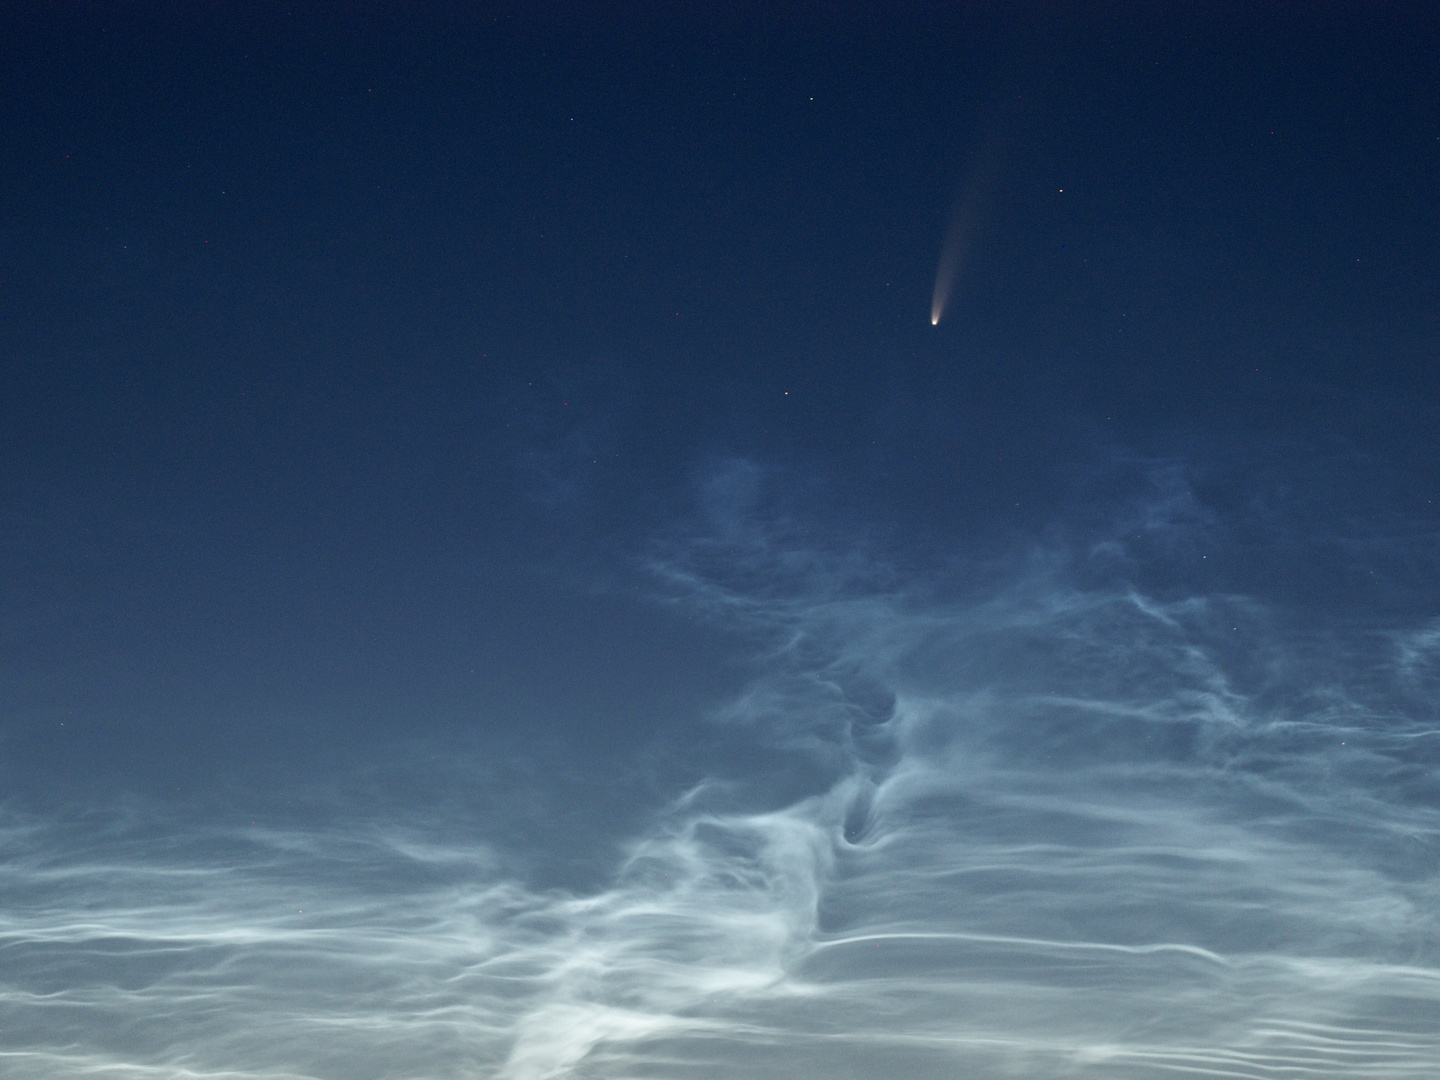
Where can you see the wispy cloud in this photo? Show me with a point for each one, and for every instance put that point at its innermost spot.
(1054, 826)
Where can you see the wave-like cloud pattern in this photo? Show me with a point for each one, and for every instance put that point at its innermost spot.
(1061, 828)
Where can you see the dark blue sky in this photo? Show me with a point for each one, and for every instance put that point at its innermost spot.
(492, 472)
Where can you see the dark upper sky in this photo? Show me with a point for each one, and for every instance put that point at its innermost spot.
(520, 390)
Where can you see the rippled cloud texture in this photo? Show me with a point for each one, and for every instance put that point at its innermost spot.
(1045, 824)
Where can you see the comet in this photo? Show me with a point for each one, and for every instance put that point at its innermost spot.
(971, 201)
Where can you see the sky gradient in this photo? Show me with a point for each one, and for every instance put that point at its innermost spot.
(618, 542)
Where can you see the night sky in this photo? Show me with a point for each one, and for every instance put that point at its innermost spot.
(719, 542)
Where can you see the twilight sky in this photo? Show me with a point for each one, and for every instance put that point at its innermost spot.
(503, 576)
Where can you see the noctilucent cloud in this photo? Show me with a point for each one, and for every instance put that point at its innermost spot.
(503, 579)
